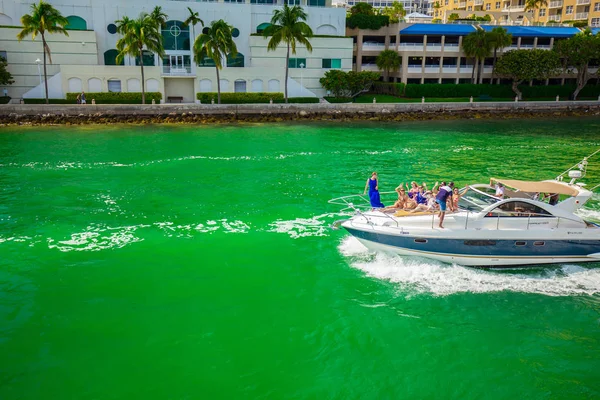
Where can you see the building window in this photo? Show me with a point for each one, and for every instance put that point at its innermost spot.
(235, 32)
(110, 57)
(595, 21)
(297, 63)
(3, 55)
(488, 6)
(542, 12)
(114, 86)
(470, 8)
(148, 59)
(262, 1)
(596, 6)
(237, 61)
(235, 1)
(176, 36)
(111, 28)
(332, 63)
(76, 23)
(292, 2)
(262, 27)
(316, 3)
(569, 10)
(497, 5)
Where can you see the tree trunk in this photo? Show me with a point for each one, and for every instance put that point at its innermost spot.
(287, 67)
(473, 72)
(45, 71)
(515, 88)
(218, 87)
(494, 65)
(143, 80)
(581, 80)
(480, 72)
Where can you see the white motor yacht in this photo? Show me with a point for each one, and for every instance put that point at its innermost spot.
(487, 231)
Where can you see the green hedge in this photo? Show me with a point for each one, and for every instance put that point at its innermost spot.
(240, 98)
(4, 99)
(338, 99)
(363, 21)
(394, 89)
(498, 91)
(50, 101)
(299, 100)
(116, 97)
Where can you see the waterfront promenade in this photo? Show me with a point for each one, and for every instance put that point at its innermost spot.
(19, 113)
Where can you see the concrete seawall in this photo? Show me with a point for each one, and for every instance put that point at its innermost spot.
(209, 113)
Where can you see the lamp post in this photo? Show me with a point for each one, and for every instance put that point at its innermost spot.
(38, 62)
(301, 78)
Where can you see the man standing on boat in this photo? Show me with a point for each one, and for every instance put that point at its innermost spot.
(442, 199)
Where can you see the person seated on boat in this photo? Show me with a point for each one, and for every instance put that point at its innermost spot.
(420, 196)
(536, 196)
(373, 187)
(401, 202)
(412, 190)
(455, 199)
(553, 198)
(431, 204)
(442, 198)
(410, 204)
(499, 190)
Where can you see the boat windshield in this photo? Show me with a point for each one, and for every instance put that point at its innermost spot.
(475, 200)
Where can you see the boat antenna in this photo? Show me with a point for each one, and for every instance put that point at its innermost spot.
(581, 166)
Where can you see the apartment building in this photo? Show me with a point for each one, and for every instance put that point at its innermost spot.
(432, 53)
(410, 6)
(86, 59)
(513, 11)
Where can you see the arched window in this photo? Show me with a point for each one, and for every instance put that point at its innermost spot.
(76, 23)
(262, 27)
(237, 61)
(110, 57)
(176, 36)
(148, 59)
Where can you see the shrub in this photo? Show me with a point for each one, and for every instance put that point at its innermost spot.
(241, 98)
(4, 99)
(362, 21)
(338, 99)
(298, 100)
(497, 91)
(50, 101)
(394, 89)
(116, 97)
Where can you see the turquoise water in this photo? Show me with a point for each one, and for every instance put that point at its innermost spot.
(187, 262)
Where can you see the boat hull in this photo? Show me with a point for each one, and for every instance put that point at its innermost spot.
(482, 252)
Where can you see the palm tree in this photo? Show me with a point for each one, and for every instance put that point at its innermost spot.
(138, 35)
(388, 60)
(535, 5)
(193, 19)
(43, 19)
(478, 45)
(159, 17)
(500, 39)
(216, 45)
(288, 26)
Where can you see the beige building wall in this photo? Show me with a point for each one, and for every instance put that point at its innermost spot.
(513, 11)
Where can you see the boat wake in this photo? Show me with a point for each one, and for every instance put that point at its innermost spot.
(427, 276)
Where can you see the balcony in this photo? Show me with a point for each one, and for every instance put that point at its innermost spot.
(478, 2)
(583, 2)
(180, 70)
(518, 8)
(412, 46)
(555, 4)
(373, 46)
(580, 16)
(462, 4)
(554, 18)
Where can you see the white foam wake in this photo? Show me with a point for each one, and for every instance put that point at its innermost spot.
(304, 227)
(427, 276)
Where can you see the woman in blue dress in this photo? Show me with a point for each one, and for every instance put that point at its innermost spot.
(373, 186)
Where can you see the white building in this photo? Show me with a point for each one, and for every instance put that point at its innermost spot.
(85, 60)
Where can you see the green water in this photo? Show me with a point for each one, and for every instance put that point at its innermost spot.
(190, 262)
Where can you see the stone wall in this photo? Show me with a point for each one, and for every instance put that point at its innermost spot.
(196, 113)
